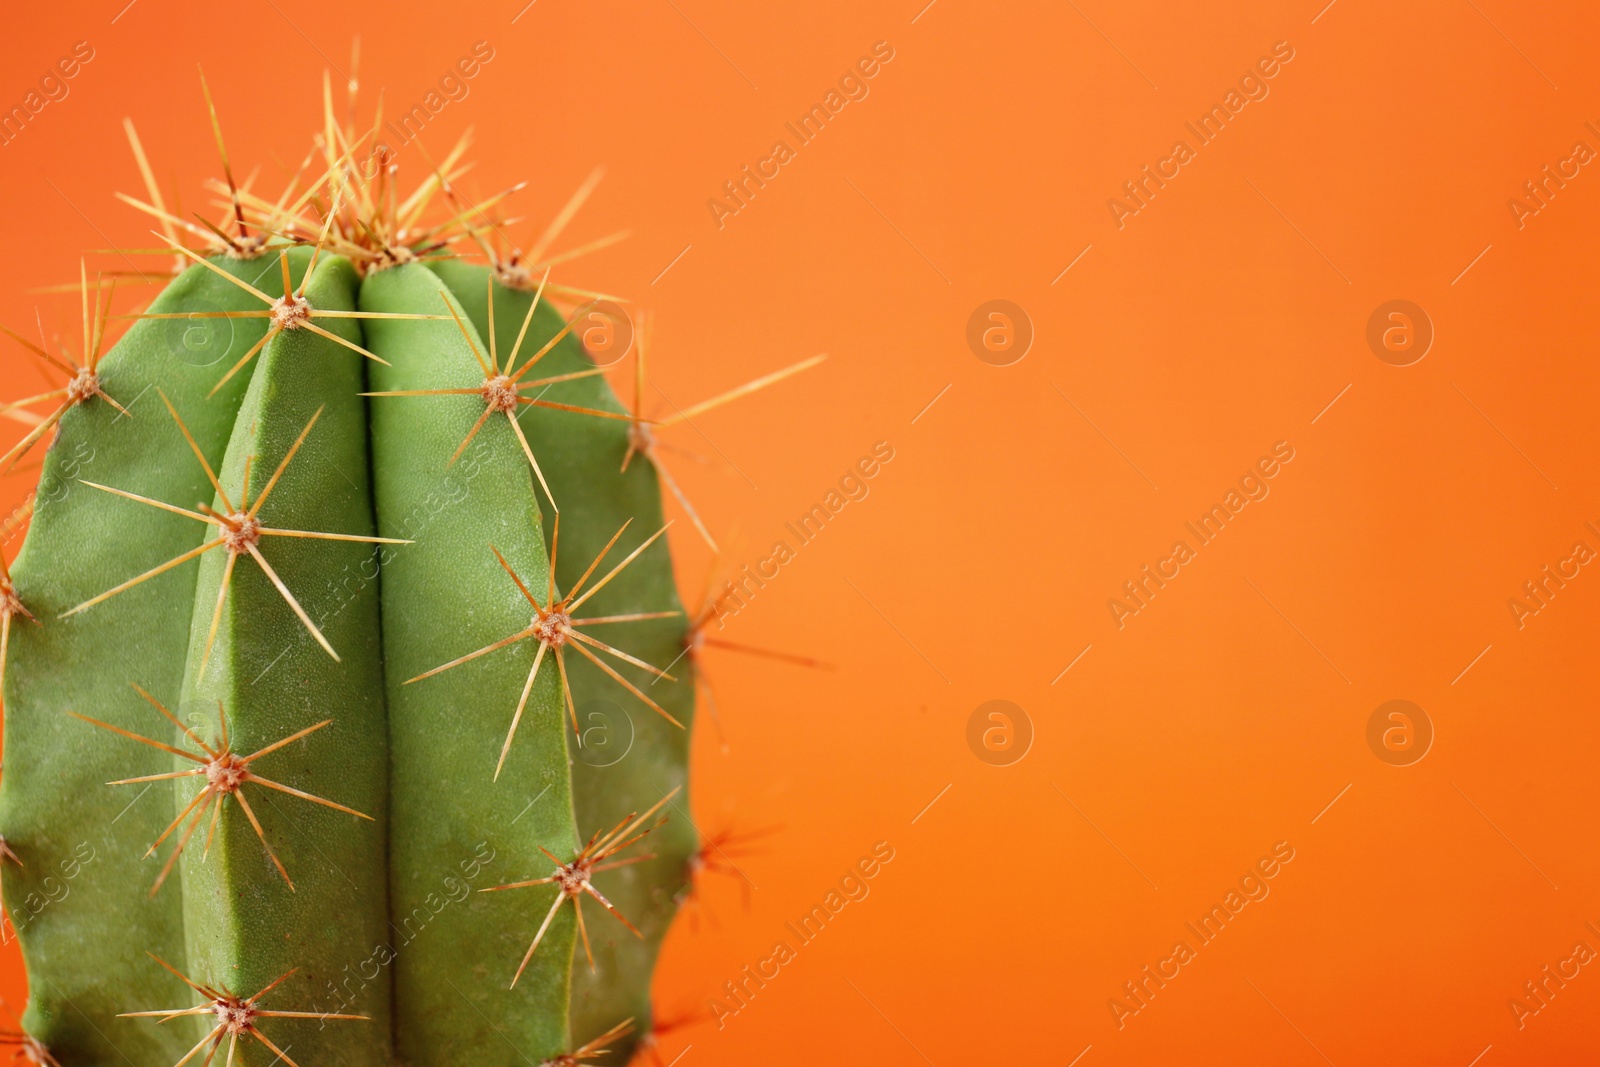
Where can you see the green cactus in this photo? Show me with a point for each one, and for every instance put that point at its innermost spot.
(379, 679)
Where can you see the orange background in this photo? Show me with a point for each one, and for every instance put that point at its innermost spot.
(1221, 319)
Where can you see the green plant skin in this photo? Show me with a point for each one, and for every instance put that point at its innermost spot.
(82, 844)
(443, 597)
(245, 926)
(581, 457)
(452, 828)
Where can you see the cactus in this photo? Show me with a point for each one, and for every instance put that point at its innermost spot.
(313, 650)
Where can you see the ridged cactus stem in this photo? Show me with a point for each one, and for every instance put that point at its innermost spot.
(645, 754)
(343, 653)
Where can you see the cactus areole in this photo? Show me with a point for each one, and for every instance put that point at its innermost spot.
(330, 551)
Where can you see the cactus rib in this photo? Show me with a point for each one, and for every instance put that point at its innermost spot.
(84, 946)
(453, 827)
(245, 922)
(582, 459)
